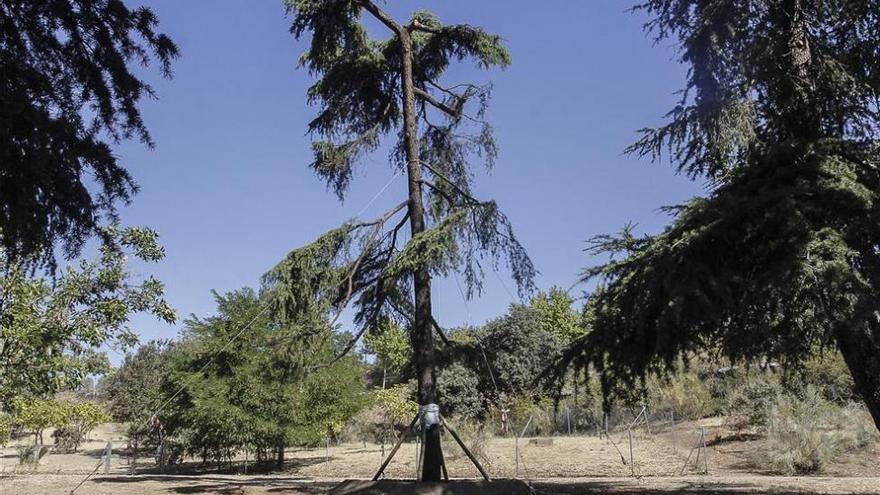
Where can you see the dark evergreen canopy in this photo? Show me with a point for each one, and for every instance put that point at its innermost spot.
(67, 91)
(780, 112)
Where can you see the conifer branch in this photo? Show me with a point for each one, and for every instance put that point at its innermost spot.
(381, 16)
(452, 112)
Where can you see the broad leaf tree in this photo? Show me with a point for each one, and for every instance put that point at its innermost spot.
(235, 382)
(52, 331)
(370, 89)
(68, 90)
(388, 342)
(780, 114)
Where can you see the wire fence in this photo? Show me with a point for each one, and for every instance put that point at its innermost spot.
(631, 443)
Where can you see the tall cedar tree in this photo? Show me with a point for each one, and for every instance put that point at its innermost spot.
(66, 93)
(368, 89)
(780, 113)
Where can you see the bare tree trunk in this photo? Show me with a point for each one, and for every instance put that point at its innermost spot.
(384, 374)
(421, 335)
(860, 347)
(279, 460)
(422, 332)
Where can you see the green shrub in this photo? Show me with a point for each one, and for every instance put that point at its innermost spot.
(685, 394)
(28, 454)
(67, 438)
(826, 372)
(459, 390)
(751, 400)
(805, 434)
(541, 412)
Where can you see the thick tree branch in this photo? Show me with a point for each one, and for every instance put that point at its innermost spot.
(440, 332)
(452, 112)
(382, 16)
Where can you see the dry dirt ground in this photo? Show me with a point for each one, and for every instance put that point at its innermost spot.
(570, 466)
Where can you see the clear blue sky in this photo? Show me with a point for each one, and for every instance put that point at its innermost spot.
(229, 189)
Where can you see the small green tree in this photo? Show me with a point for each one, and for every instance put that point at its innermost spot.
(5, 428)
(132, 391)
(252, 391)
(396, 405)
(389, 343)
(459, 387)
(80, 418)
(35, 415)
(557, 315)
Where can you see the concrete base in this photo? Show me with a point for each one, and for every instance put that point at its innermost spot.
(452, 487)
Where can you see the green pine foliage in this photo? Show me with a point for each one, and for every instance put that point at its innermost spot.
(358, 91)
(779, 113)
(70, 87)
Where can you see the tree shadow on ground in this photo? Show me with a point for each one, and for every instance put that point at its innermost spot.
(198, 468)
(222, 485)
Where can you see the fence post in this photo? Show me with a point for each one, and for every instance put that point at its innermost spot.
(705, 453)
(674, 443)
(419, 454)
(605, 419)
(568, 419)
(108, 451)
(516, 455)
(632, 463)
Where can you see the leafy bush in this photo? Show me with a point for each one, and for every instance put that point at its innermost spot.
(396, 404)
(805, 434)
(751, 403)
(685, 394)
(28, 454)
(826, 372)
(68, 438)
(35, 415)
(459, 390)
(541, 412)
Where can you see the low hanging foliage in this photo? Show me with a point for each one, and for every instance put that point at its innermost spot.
(51, 330)
(780, 258)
